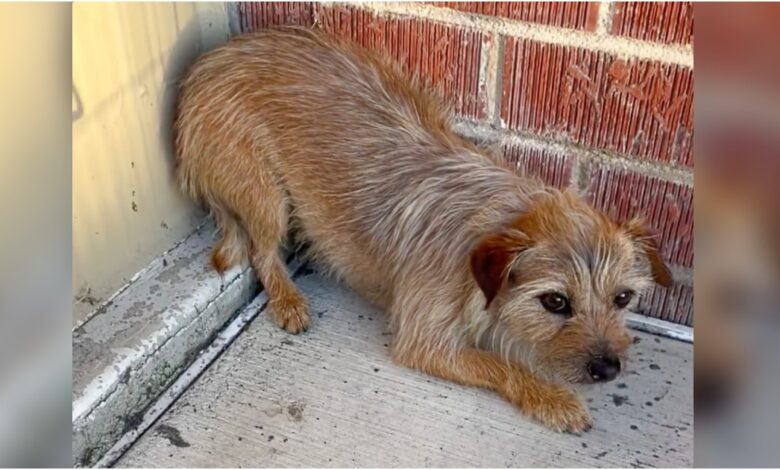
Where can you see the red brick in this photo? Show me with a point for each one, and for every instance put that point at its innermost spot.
(667, 22)
(552, 167)
(577, 15)
(673, 304)
(667, 207)
(636, 107)
(445, 56)
(260, 15)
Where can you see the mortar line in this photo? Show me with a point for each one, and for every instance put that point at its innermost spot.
(681, 275)
(580, 174)
(482, 76)
(621, 47)
(490, 70)
(606, 15)
(657, 170)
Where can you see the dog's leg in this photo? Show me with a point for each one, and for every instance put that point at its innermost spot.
(556, 406)
(233, 246)
(285, 301)
(262, 210)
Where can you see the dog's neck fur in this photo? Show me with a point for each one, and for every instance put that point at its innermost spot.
(459, 197)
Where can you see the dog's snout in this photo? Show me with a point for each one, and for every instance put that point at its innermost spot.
(604, 369)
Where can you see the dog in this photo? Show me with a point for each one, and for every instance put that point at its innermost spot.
(290, 130)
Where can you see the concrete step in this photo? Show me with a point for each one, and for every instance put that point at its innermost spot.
(332, 397)
(137, 344)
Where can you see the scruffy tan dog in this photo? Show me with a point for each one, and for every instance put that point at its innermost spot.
(473, 263)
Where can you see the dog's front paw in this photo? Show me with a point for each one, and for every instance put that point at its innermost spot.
(555, 406)
(291, 313)
(560, 409)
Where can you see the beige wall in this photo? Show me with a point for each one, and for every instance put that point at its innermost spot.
(126, 207)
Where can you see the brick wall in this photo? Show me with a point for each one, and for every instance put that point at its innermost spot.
(593, 95)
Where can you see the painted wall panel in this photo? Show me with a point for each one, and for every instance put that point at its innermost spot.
(127, 58)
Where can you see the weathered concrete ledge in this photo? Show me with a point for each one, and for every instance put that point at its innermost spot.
(136, 345)
(660, 327)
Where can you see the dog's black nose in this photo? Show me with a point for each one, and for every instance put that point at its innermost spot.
(604, 369)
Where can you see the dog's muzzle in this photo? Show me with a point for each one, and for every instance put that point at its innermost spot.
(604, 369)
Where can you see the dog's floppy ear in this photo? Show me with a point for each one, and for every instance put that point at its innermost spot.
(491, 259)
(642, 237)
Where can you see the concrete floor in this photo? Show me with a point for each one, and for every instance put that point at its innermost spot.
(332, 398)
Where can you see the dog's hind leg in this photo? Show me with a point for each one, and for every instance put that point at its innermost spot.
(233, 247)
(250, 208)
(287, 304)
(261, 205)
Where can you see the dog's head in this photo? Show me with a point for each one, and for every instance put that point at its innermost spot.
(559, 279)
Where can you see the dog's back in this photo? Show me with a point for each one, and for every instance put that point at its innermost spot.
(368, 166)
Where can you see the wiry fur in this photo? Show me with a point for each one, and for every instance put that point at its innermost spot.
(291, 128)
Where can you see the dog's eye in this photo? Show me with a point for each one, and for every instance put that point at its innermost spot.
(623, 298)
(555, 303)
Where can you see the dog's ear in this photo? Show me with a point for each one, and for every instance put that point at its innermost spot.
(491, 260)
(637, 230)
